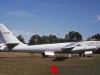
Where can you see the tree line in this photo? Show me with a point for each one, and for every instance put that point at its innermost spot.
(72, 36)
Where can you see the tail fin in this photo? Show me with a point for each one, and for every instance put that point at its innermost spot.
(8, 36)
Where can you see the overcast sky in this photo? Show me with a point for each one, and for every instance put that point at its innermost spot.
(45, 17)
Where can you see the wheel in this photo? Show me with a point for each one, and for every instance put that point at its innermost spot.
(44, 56)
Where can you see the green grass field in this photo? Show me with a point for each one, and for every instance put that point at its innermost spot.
(31, 65)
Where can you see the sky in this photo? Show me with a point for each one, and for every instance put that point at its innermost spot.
(45, 17)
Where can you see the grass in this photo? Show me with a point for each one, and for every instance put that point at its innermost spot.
(30, 65)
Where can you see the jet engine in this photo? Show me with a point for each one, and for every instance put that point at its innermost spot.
(88, 52)
(3, 47)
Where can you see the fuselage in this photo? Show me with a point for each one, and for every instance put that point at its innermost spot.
(40, 48)
(58, 47)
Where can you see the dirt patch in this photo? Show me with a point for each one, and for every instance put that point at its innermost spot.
(13, 54)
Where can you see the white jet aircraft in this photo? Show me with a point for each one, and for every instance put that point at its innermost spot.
(13, 44)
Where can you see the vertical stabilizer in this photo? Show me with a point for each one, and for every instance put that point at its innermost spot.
(8, 36)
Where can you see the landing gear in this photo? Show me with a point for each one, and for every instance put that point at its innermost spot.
(44, 56)
(84, 54)
(81, 54)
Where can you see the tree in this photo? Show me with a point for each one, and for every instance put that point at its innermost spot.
(73, 36)
(35, 39)
(78, 36)
(52, 38)
(45, 39)
(20, 38)
(61, 40)
(95, 37)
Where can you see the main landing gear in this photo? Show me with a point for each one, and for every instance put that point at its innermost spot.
(44, 56)
(81, 54)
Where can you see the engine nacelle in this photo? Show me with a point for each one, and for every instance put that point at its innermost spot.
(88, 52)
(3, 47)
